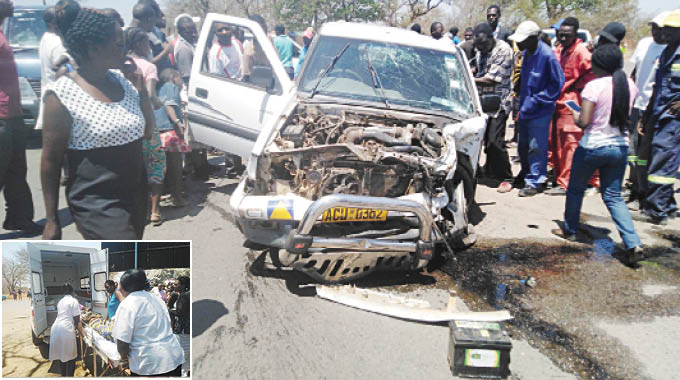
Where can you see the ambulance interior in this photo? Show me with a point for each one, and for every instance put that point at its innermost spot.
(65, 267)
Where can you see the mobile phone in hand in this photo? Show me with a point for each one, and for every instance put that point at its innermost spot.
(573, 105)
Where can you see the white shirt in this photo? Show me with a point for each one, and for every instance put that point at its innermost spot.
(645, 59)
(143, 321)
(226, 60)
(63, 335)
(51, 49)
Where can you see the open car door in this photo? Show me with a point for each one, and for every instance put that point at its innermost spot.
(39, 308)
(229, 113)
(99, 273)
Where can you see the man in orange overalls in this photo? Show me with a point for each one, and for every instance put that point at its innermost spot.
(574, 59)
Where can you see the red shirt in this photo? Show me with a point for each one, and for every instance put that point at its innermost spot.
(10, 96)
(577, 67)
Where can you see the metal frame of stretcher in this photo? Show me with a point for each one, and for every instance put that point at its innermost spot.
(89, 341)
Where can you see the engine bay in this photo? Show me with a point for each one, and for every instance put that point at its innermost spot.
(320, 151)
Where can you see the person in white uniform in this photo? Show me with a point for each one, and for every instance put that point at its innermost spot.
(63, 336)
(143, 331)
(225, 57)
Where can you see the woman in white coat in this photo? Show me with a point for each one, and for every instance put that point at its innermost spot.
(63, 334)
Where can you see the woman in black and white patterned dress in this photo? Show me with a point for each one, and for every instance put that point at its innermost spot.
(99, 118)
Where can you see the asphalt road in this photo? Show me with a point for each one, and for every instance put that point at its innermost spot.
(582, 319)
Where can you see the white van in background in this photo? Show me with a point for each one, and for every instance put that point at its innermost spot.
(86, 269)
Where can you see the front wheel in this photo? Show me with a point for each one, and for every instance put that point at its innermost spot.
(36, 341)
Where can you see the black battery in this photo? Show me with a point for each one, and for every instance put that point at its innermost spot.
(479, 349)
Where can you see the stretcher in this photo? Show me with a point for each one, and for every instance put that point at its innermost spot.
(105, 349)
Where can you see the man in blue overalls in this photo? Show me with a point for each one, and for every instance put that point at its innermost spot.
(665, 113)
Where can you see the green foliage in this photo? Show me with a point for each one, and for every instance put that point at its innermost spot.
(300, 14)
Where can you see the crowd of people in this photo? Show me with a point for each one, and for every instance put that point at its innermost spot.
(102, 112)
(578, 114)
(151, 333)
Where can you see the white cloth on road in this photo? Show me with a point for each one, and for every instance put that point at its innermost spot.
(143, 321)
(63, 334)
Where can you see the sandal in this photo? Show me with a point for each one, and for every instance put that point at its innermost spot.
(156, 219)
(504, 187)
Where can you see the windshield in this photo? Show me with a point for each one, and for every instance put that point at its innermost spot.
(410, 76)
(26, 28)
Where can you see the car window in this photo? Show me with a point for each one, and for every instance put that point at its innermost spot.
(232, 59)
(37, 284)
(410, 76)
(99, 281)
(26, 28)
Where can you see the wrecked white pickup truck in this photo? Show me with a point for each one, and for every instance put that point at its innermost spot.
(367, 161)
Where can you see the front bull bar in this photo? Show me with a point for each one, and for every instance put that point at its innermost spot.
(300, 241)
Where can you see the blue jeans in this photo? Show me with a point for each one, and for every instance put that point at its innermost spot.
(533, 150)
(611, 162)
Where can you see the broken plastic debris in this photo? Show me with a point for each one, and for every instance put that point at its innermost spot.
(402, 307)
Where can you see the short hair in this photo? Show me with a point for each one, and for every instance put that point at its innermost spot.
(68, 288)
(416, 28)
(279, 29)
(454, 30)
(168, 74)
(571, 21)
(483, 28)
(184, 282)
(50, 16)
(434, 26)
(82, 28)
(109, 283)
(184, 22)
(133, 36)
(494, 6)
(133, 280)
(469, 29)
(260, 20)
(152, 3)
(142, 11)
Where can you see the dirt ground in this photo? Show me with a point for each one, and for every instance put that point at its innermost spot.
(20, 357)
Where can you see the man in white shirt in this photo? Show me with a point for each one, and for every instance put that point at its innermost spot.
(225, 57)
(645, 60)
(52, 55)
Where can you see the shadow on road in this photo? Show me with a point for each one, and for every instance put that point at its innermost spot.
(65, 219)
(296, 282)
(206, 313)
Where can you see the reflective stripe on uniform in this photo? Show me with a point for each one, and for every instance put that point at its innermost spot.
(661, 180)
(633, 159)
(642, 162)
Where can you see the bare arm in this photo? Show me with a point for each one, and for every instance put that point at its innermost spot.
(123, 349)
(166, 50)
(78, 325)
(119, 295)
(584, 118)
(151, 90)
(144, 102)
(56, 131)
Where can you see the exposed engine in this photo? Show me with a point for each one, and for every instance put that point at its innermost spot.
(318, 153)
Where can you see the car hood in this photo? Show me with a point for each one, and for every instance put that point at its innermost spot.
(28, 62)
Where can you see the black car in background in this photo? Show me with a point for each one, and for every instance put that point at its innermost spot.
(24, 31)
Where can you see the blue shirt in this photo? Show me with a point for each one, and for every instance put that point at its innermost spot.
(169, 96)
(301, 60)
(541, 83)
(113, 305)
(666, 86)
(284, 46)
(456, 40)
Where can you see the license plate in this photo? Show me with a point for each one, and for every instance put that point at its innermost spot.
(344, 214)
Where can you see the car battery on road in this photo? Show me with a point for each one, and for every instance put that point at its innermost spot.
(479, 349)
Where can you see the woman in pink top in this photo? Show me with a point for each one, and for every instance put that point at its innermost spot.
(137, 42)
(604, 117)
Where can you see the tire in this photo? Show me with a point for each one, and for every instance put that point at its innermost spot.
(36, 341)
(464, 177)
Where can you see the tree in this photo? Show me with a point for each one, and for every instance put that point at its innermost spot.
(300, 14)
(15, 270)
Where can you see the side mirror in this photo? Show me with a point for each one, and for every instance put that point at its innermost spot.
(262, 76)
(491, 103)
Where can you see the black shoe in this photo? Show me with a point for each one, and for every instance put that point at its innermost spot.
(528, 192)
(556, 191)
(633, 256)
(29, 228)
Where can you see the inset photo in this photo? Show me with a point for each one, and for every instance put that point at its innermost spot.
(82, 309)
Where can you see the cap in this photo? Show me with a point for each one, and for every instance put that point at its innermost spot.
(673, 19)
(659, 19)
(525, 30)
(614, 32)
(558, 24)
